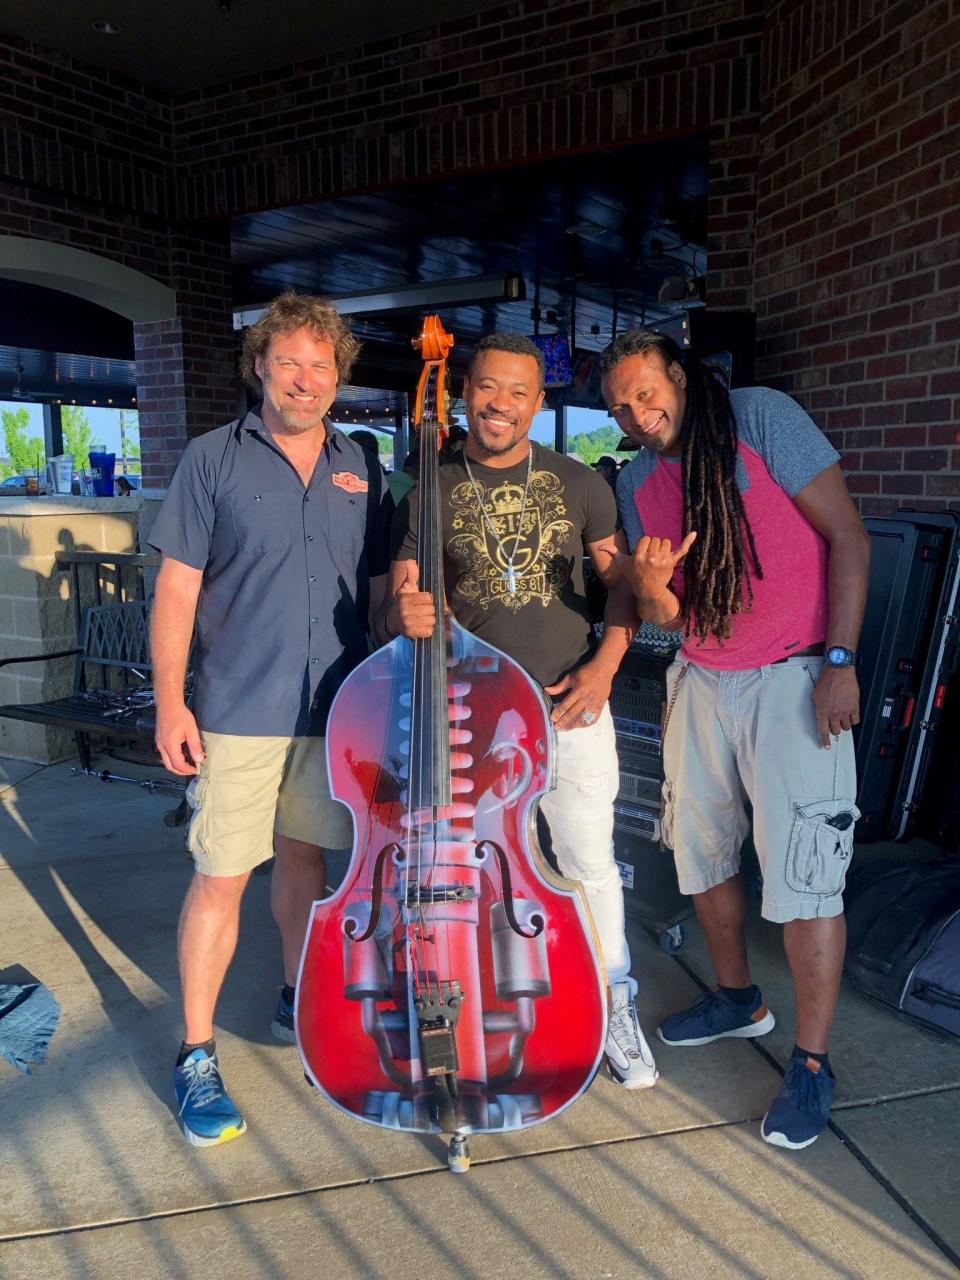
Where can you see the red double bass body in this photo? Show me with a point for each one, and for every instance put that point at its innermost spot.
(452, 983)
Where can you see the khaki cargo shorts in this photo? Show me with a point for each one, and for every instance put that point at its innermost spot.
(249, 788)
(739, 736)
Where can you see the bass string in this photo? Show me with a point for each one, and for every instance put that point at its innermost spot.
(424, 698)
(436, 674)
(438, 696)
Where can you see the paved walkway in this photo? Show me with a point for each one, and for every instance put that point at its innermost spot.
(95, 1180)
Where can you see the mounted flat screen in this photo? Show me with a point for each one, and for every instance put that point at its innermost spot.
(557, 368)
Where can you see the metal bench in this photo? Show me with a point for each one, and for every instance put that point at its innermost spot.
(111, 709)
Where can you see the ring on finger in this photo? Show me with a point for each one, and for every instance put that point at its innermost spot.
(588, 717)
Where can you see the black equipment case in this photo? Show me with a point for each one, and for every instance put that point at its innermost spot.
(908, 650)
(903, 939)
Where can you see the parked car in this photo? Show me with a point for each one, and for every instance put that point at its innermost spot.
(14, 486)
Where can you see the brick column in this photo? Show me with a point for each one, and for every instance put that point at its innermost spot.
(186, 375)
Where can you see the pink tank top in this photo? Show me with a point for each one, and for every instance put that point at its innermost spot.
(789, 609)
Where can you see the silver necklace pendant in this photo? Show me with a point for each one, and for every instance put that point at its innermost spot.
(509, 574)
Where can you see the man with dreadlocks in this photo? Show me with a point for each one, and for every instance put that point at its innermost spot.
(742, 533)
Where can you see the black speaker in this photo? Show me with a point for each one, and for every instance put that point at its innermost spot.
(724, 340)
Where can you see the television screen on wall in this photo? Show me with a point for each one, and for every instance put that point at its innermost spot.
(557, 368)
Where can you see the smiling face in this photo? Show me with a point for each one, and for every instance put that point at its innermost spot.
(299, 376)
(647, 400)
(502, 395)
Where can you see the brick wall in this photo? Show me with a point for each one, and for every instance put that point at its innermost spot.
(516, 84)
(857, 257)
(186, 372)
(522, 82)
(87, 160)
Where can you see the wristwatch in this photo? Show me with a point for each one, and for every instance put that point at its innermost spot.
(837, 656)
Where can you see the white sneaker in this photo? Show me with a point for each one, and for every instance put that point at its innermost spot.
(628, 1055)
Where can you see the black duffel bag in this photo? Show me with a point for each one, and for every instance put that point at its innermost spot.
(903, 939)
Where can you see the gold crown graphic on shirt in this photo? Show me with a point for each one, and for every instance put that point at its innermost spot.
(505, 500)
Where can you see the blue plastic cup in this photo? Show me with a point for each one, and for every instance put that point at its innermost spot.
(101, 473)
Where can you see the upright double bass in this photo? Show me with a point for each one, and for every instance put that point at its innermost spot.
(452, 983)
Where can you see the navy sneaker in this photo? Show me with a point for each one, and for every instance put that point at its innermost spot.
(801, 1109)
(282, 1024)
(715, 1016)
(207, 1113)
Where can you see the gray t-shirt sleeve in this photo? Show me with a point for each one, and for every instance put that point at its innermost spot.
(630, 479)
(791, 444)
(184, 524)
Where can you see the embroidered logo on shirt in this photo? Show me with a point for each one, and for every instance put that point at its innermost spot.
(347, 480)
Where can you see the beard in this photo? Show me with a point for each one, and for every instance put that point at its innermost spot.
(296, 420)
(659, 440)
(496, 445)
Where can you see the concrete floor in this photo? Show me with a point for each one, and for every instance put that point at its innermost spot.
(96, 1181)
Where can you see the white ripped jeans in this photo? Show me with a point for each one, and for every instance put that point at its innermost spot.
(580, 815)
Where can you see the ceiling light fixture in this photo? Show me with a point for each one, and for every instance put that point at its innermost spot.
(16, 391)
(107, 27)
(509, 287)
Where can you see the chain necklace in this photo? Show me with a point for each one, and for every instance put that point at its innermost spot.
(509, 574)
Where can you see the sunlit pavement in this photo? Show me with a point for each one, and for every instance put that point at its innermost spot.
(96, 1180)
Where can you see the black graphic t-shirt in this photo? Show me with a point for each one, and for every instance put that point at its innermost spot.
(542, 623)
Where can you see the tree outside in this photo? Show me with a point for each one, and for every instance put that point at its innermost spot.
(77, 435)
(23, 453)
(129, 457)
(590, 445)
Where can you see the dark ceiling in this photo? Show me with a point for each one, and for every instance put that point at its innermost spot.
(177, 45)
(594, 236)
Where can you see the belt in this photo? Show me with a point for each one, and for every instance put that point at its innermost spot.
(811, 651)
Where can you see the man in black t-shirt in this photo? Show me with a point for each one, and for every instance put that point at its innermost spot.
(517, 518)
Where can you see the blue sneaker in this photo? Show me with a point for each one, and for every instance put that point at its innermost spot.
(715, 1016)
(282, 1024)
(801, 1109)
(207, 1113)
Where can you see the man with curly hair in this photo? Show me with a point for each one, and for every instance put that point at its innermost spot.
(274, 542)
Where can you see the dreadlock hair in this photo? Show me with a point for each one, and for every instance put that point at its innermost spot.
(717, 580)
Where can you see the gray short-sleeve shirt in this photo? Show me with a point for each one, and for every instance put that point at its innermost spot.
(282, 613)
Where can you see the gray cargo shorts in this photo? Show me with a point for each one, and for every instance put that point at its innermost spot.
(739, 736)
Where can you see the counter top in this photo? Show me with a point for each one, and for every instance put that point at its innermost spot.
(58, 504)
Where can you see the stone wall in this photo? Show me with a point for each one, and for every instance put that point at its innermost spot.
(36, 608)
